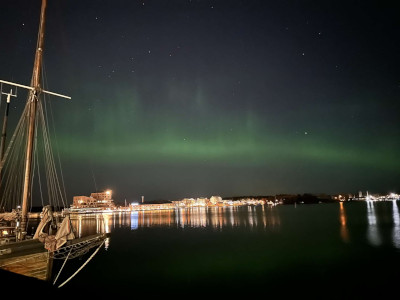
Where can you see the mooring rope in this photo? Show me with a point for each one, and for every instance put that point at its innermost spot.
(62, 267)
(73, 275)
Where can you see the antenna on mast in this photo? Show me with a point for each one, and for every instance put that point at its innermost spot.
(4, 130)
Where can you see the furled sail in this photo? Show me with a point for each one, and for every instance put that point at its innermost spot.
(9, 216)
(44, 232)
(64, 233)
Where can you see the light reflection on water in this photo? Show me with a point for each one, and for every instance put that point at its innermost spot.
(196, 217)
(375, 231)
(396, 226)
(344, 232)
(377, 217)
(373, 234)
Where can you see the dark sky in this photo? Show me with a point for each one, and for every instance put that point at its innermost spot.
(174, 99)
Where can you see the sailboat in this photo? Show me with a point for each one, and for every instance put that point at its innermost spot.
(32, 254)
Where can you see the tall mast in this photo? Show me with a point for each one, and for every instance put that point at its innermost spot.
(32, 103)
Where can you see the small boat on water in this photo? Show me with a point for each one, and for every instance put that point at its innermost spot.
(23, 252)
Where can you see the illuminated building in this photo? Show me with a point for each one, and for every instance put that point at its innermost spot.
(96, 200)
(215, 199)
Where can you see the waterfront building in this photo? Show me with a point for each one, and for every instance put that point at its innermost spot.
(202, 201)
(143, 207)
(199, 202)
(96, 200)
(215, 199)
(191, 202)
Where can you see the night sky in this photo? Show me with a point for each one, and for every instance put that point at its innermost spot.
(174, 99)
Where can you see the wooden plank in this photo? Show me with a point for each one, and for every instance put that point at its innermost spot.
(31, 265)
(26, 247)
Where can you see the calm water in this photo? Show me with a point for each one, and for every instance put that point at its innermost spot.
(322, 250)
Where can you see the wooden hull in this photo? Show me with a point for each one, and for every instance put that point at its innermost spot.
(28, 258)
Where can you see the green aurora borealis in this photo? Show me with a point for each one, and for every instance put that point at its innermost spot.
(211, 137)
(197, 142)
(199, 98)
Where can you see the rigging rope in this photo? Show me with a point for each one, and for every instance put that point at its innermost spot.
(58, 154)
(13, 163)
(56, 182)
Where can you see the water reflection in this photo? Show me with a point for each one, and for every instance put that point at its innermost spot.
(383, 220)
(90, 224)
(373, 231)
(196, 217)
(344, 232)
(396, 225)
(134, 220)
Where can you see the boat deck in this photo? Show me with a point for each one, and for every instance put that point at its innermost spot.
(27, 258)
